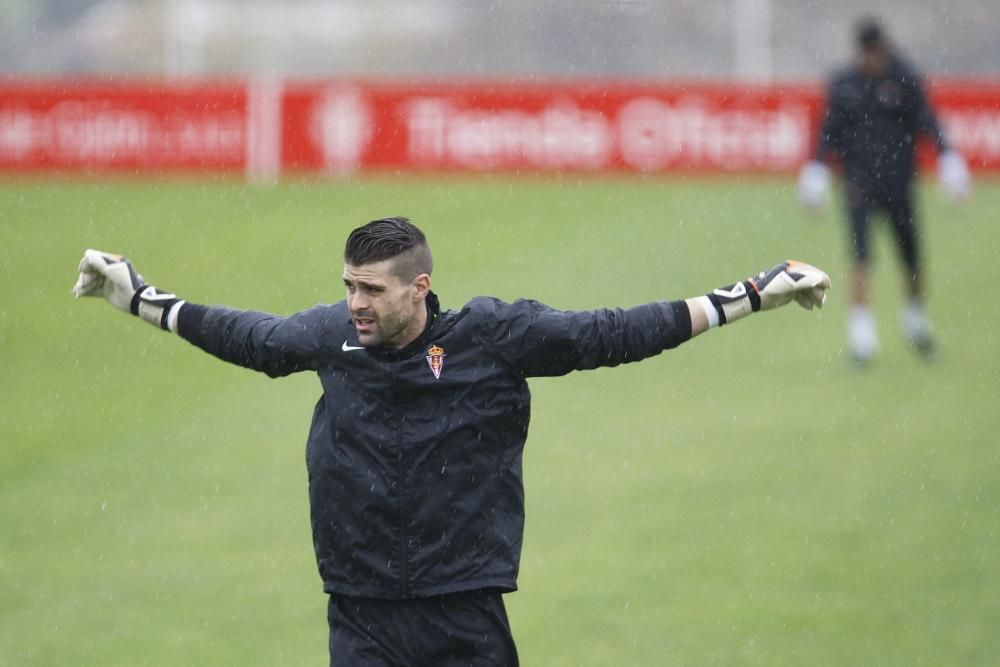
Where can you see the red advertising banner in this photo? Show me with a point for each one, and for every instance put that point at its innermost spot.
(970, 114)
(134, 126)
(549, 127)
(269, 127)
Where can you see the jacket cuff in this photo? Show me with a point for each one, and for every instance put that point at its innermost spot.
(682, 323)
(189, 321)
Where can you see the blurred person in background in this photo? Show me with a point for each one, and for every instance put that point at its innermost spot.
(875, 110)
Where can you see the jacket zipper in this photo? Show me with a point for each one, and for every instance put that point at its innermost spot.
(404, 555)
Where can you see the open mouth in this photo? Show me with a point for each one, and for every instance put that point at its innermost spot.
(364, 324)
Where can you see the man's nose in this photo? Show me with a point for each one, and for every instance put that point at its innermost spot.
(357, 301)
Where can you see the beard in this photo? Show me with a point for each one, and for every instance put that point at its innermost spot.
(387, 330)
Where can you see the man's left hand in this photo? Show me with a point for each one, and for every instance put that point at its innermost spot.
(953, 173)
(791, 280)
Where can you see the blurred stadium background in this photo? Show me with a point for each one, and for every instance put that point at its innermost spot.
(756, 39)
(748, 499)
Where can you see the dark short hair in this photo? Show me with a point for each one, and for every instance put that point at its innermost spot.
(390, 238)
(869, 34)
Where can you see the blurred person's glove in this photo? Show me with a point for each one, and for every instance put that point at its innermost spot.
(113, 277)
(953, 174)
(814, 181)
(789, 281)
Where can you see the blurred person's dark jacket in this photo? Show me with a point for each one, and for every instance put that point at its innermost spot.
(872, 123)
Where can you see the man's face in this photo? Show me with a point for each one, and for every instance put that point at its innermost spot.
(386, 310)
(873, 60)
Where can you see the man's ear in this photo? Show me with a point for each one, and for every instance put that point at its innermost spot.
(421, 286)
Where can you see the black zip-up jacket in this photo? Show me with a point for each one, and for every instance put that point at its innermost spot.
(414, 455)
(872, 125)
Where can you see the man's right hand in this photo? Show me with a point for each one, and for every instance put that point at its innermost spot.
(113, 277)
(109, 275)
(814, 181)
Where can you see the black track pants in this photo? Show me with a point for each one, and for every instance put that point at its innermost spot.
(467, 629)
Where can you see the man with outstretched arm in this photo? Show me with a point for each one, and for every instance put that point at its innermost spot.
(414, 453)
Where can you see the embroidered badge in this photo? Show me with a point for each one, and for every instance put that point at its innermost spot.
(435, 359)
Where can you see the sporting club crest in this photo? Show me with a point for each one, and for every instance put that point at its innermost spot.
(435, 359)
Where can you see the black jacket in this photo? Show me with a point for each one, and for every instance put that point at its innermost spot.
(414, 455)
(872, 125)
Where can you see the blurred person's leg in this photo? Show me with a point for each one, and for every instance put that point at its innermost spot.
(862, 333)
(913, 318)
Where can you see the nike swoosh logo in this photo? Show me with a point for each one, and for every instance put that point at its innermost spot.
(350, 348)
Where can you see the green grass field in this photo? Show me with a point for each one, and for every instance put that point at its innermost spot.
(747, 499)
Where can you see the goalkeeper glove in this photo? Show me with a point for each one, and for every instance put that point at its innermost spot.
(814, 180)
(113, 277)
(788, 281)
(953, 174)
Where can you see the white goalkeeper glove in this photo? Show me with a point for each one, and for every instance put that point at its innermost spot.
(953, 174)
(814, 181)
(789, 281)
(113, 277)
